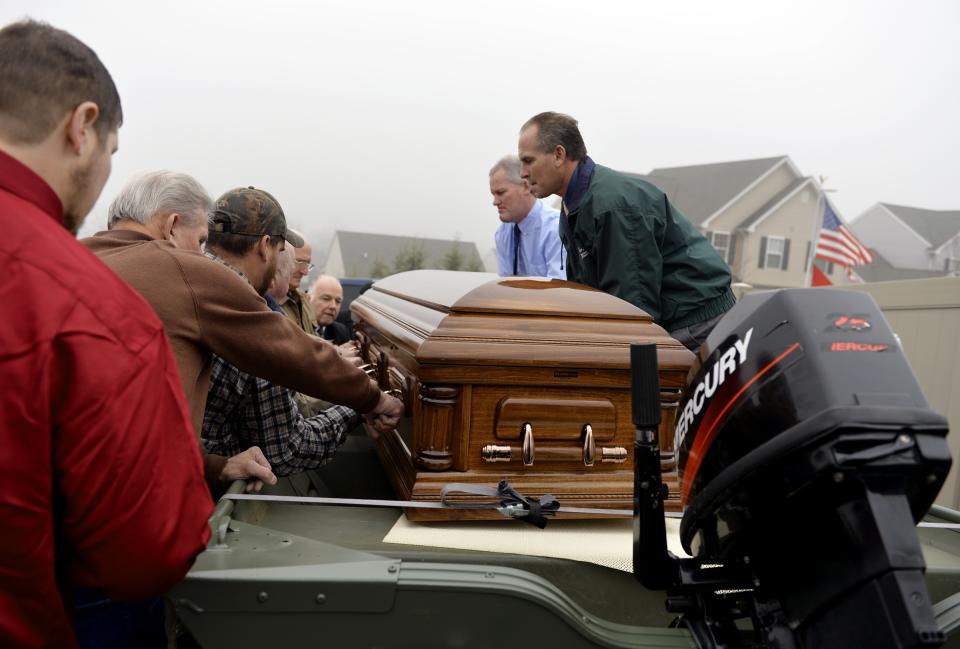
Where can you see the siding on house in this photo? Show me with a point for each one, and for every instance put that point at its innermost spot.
(925, 314)
(334, 264)
(912, 238)
(732, 217)
(878, 228)
(793, 222)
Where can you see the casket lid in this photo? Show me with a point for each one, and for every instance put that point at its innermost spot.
(459, 318)
(461, 292)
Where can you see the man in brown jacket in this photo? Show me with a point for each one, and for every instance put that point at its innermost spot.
(208, 309)
(175, 207)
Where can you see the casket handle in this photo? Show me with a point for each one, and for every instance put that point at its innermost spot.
(382, 367)
(589, 449)
(363, 342)
(529, 451)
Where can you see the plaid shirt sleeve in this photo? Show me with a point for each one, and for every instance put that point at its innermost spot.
(271, 420)
(228, 391)
(243, 411)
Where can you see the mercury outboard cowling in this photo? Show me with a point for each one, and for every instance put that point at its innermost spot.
(807, 452)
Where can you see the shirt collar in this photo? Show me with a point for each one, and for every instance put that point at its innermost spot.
(528, 223)
(293, 295)
(579, 183)
(272, 303)
(210, 255)
(125, 235)
(19, 179)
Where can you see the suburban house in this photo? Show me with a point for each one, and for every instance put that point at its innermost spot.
(761, 215)
(911, 242)
(362, 254)
(881, 270)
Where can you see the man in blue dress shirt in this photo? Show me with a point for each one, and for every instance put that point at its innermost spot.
(528, 239)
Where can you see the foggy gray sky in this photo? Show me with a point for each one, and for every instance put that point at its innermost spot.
(386, 116)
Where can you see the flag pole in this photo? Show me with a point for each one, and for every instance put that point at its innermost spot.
(817, 224)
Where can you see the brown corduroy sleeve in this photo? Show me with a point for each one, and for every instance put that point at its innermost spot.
(237, 325)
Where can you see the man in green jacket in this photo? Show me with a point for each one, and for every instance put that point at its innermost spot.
(623, 236)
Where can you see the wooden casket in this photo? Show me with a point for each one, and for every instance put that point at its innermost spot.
(521, 379)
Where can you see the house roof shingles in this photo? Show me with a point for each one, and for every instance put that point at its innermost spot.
(700, 190)
(361, 250)
(936, 226)
(881, 270)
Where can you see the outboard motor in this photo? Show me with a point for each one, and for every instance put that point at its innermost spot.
(807, 453)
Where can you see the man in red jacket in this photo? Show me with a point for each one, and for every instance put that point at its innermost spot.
(101, 482)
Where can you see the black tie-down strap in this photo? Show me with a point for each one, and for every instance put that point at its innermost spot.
(510, 503)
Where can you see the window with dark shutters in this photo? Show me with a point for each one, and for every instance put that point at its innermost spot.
(774, 252)
(722, 242)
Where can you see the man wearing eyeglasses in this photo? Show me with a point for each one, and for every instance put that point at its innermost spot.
(208, 308)
(296, 305)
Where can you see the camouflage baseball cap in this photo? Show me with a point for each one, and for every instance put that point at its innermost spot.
(253, 212)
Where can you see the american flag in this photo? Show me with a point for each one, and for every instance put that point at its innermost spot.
(838, 244)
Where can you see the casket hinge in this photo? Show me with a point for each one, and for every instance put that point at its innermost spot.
(615, 454)
(495, 453)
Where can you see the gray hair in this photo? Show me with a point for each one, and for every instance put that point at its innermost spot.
(321, 277)
(511, 166)
(286, 262)
(557, 129)
(154, 192)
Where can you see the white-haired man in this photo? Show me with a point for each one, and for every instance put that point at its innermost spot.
(175, 204)
(286, 266)
(174, 207)
(326, 298)
(528, 239)
(296, 304)
(208, 307)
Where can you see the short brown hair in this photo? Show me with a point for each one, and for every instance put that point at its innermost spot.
(557, 129)
(44, 73)
(237, 245)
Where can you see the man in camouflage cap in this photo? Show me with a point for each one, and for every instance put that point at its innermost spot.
(253, 212)
(211, 304)
(247, 227)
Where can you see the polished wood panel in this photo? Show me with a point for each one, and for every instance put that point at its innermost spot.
(567, 432)
(503, 379)
(551, 419)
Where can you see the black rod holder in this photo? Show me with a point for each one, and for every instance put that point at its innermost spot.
(653, 566)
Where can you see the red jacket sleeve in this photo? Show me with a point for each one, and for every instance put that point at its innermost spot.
(129, 472)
